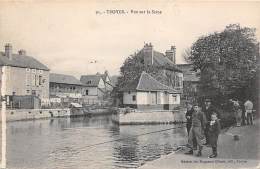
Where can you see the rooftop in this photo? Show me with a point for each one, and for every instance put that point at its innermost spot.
(64, 79)
(22, 61)
(91, 80)
(146, 82)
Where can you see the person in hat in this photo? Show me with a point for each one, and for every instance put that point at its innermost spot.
(208, 109)
(197, 130)
(214, 130)
(188, 116)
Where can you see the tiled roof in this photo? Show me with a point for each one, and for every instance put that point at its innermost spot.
(188, 73)
(64, 79)
(90, 80)
(21, 61)
(161, 60)
(147, 83)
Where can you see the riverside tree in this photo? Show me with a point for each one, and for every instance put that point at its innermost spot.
(228, 63)
(132, 69)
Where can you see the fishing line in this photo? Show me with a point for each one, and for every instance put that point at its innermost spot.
(93, 145)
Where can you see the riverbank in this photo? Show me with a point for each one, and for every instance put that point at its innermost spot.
(243, 153)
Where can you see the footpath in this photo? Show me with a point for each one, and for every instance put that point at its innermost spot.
(232, 154)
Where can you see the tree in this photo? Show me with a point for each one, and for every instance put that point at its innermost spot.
(227, 61)
(132, 69)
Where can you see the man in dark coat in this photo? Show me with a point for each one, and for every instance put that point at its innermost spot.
(208, 109)
(197, 130)
(188, 116)
(214, 130)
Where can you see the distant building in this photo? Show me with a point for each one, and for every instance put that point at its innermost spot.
(146, 92)
(169, 74)
(65, 88)
(23, 75)
(190, 82)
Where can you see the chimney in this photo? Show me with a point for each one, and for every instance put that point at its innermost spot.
(171, 54)
(148, 54)
(8, 51)
(22, 52)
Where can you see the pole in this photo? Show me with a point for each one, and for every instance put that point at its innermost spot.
(3, 119)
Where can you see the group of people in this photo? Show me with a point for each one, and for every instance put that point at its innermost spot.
(203, 124)
(243, 116)
(203, 127)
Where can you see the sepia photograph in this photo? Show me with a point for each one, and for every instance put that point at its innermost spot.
(120, 84)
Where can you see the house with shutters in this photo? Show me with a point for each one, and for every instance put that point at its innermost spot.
(168, 81)
(145, 92)
(65, 89)
(22, 75)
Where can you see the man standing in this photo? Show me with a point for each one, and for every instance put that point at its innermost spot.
(197, 130)
(208, 109)
(249, 112)
(188, 116)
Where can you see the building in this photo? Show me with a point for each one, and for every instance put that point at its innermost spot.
(146, 92)
(190, 82)
(95, 88)
(23, 75)
(65, 89)
(168, 73)
(109, 85)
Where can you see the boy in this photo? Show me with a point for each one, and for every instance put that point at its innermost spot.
(197, 130)
(214, 130)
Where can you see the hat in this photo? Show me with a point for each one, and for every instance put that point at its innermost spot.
(207, 100)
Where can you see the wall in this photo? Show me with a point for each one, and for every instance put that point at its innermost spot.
(128, 98)
(142, 98)
(31, 114)
(150, 117)
(174, 99)
(22, 81)
(92, 91)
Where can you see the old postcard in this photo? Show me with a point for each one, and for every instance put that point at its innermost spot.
(116, 84)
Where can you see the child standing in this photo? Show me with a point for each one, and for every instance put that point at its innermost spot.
(214, 130)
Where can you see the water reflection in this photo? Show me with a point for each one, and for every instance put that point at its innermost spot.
(87, 143)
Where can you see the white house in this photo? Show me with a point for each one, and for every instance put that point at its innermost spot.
(146, 92)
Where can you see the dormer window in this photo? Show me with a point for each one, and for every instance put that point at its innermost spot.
(89, 82)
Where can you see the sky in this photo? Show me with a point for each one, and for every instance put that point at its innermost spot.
(68, 36)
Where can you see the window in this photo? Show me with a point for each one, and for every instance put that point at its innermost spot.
(174, 98)
(27, 78)
(89, 82)
(35, 80)
(153, 98)
(134, 97)
(27, 69)
(40, 80)
(28, 91)
(34, 92)
(34, 70)
(129, 92)
(40, 71)
(86, 92)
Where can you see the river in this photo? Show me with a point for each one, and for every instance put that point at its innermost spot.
(87, 142)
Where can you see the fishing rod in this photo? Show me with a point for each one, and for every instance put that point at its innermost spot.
(158, 131)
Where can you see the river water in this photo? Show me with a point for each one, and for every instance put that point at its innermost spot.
(92, 143)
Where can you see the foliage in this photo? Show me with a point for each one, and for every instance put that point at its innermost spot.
(227, 61)
(133, 67)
